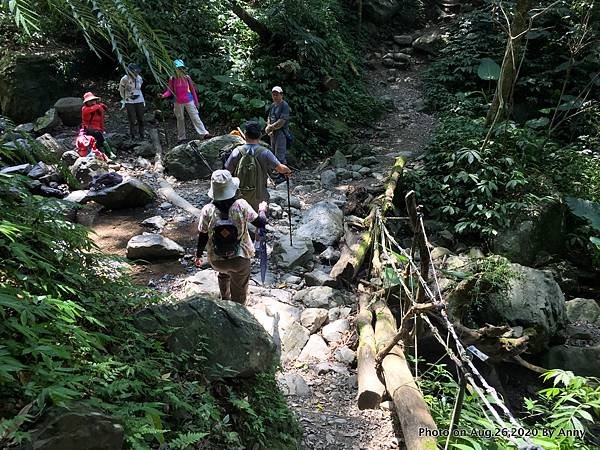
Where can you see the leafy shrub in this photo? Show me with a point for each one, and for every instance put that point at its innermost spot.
(555, 419)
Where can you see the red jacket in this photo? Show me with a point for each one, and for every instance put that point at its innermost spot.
(93, 116)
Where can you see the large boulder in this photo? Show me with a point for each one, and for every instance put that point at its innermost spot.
(430, 42)
(287, 256)
(47, 122)
(30, 83)
(153, 246)
(532, 300)
(583, 361)
(221, 330)
(51, 144)
(322, 224)
(191, 161)
(380, 11)
(130, 193)
(75, 428)
(540, 229)
(85, 169)
(69, 110)
(319, 297)
(583, 310)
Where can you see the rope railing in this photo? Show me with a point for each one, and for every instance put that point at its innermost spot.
(417, 308)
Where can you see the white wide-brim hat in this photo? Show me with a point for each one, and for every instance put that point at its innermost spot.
(223, 186)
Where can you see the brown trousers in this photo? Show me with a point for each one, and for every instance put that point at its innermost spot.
(234, 275)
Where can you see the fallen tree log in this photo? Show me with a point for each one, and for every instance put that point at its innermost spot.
(414, 416)
(353, 254)
(166, 190)
(370, 387)
(158, 165)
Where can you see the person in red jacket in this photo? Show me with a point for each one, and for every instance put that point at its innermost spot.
(92, 120)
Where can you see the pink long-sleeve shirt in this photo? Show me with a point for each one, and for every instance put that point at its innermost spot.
(183, 89)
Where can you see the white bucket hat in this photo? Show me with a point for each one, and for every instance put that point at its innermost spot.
(222, 185)
(277, 89)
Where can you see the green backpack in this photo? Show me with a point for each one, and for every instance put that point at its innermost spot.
(252, 176)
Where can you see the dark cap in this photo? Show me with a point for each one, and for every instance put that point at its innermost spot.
(253, 130)
(134, 68)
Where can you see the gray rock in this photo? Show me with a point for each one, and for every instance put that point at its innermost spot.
(75, 428)
(39, 170)
(153, 246)
(185, 163)
(322, 224)
(330, 255)
(293, 384)
(431, 42)
(583, 361)
(204, 283)
(221, 330)
(313, 318)
(326, 367)
(476, 253)
(321, 296)
(339, 160)
(85, 169)
(275, 211)
(368, 161)
(280, 198)
(583, 310)
(21, 169)
(24, 128)
(130, 193)
(339, 312)
(47, 122)
(319, 278)
(440, 252)
(539, 229)
(69, 110)
(293, 341)
(145, 149)
(334, 331)
(380, 11)
(69, 158)
(402, 57)
(287, 257)
(154, 222)
(404, 39)
(328, 178)
(315, 349)
(344, 355)
(51, 144)
(77, 196)
(291, 279)
(364, 171)
(534, 301)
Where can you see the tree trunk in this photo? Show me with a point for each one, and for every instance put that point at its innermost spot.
(370, 387)
(412, 411)
(353, 256)
(508, 72)
(166, 190)
(258, 27)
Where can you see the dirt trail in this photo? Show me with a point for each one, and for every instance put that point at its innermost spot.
(323, 394)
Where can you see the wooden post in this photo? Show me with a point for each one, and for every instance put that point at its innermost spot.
(370, 387)
(415, 420)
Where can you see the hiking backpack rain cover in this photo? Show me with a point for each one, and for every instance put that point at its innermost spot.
(226, 242)
(251, 175)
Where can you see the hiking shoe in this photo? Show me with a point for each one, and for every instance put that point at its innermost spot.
(182, 141)
(207, 136)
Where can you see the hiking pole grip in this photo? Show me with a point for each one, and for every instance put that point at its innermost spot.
(289, 210)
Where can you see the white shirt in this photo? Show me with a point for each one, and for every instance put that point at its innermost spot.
(129, 88)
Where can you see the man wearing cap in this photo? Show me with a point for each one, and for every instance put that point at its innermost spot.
(92, 120)
(267, 160)
(278, 124)
(130, 88)
(233, 268)
(182, 90)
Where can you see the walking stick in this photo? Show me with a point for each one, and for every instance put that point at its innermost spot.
(289, 210)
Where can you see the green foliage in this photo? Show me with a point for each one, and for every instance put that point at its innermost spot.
(556, 419)
(67, 336)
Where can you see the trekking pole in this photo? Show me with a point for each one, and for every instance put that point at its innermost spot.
(289, 211)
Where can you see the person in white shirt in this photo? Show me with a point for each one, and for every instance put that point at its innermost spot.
(130, 88)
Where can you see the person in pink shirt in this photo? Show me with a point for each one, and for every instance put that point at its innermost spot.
(181, 88)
